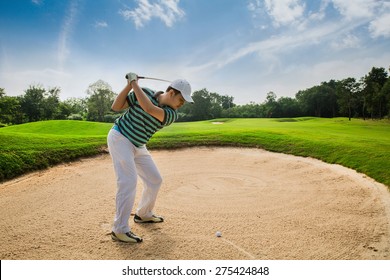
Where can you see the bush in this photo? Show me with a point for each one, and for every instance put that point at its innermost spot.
(75, 117)
(110, 118)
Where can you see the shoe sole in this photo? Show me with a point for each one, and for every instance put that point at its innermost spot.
(147, 222)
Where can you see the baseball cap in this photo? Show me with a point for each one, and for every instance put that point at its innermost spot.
(184, 87)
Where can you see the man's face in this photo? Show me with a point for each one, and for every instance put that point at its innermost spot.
(177, 100)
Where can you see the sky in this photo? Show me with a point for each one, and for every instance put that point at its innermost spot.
(240, 48)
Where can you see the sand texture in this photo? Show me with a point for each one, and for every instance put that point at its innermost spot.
(266, 205)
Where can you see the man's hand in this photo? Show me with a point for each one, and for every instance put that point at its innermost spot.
(131, 77)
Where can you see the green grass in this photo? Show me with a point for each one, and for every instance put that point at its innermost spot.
(38, 145)
(361, 145)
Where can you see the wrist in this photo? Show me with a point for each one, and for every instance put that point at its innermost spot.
(133, 83)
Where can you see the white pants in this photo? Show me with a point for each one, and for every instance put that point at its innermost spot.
(130, 161)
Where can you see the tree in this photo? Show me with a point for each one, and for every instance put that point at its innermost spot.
(51, 103)
(385, 92)
(319, 101)
(270, 105)
(63, 111)
(288, 108)
(75, 107)
(347, 90)
(9, 108)
(329, 99)
(252, 110)
(216, 105)
(201, 109)
(307, 101)
(373, 83)
(207, 105)
(227, 102)
(99, 101)
(32, 103)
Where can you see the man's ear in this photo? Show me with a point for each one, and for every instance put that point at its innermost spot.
(171, 92)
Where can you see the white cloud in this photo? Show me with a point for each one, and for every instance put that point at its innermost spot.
(353, 9)
(254, 5)
(167, 11)
(65, 33)
(276, 46)
(101, 24)
(320, 15)
(347, 42)
(37, 2)
(285, 12)
(380, 26)
(364, 15)
(375, 13)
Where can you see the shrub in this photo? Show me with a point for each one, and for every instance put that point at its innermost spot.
(75, 117)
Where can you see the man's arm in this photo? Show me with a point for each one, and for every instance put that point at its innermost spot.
(120, 102)
(145, 102)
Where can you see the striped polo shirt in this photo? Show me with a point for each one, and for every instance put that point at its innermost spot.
(137, 125)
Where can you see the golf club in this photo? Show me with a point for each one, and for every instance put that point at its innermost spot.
(150, 78)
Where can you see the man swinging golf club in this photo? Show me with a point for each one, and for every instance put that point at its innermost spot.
(146, 112)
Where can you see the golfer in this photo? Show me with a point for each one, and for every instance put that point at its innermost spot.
(146, 112)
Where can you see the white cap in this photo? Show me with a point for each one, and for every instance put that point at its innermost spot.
(184, 87)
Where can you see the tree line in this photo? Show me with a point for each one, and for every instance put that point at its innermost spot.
(38, 104)
(368, 97)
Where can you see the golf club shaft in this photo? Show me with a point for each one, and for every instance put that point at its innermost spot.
(150, 78)
(156, 79)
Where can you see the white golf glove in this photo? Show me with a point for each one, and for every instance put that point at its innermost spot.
(131, 77)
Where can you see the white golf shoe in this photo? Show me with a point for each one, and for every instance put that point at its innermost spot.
(153, 219)
(128, 237)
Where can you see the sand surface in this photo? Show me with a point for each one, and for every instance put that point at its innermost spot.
(266, 205)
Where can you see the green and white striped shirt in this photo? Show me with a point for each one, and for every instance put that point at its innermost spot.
(137, 125)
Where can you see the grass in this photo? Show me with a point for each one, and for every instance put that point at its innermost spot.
(38, 145)
(361, 145)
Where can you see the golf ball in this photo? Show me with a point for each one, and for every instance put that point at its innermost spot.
(218, 234)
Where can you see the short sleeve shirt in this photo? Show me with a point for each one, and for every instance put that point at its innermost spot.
(137, 125)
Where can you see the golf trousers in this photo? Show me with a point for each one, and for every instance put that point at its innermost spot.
(130, 161)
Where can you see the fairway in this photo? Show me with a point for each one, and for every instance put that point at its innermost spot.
(361, 145)
(357, 144)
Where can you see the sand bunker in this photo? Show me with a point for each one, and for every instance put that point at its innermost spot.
(266, 205)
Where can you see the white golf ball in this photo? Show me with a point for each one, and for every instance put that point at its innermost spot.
(218, 234)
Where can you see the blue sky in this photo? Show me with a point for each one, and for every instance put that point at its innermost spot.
(241, 48)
